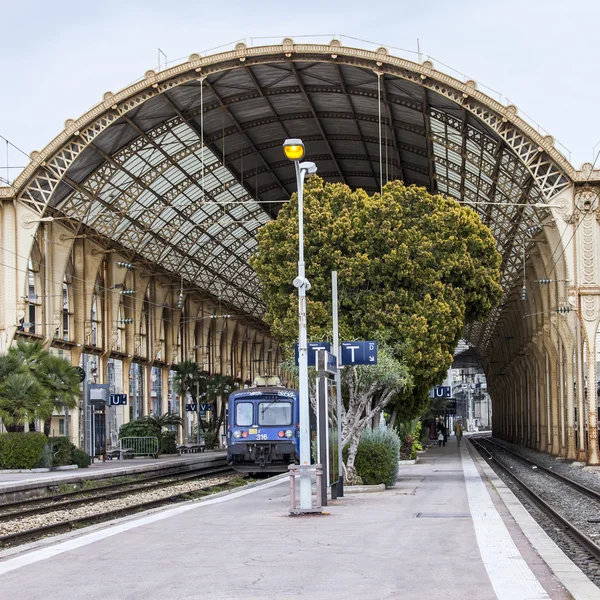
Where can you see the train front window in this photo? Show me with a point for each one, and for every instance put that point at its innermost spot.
(243, 414)
(275, 413)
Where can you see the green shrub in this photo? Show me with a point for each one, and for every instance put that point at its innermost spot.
(416, 445)
(377, 457)
(168, 444)
(211, 439)
(21, 450)
(411, 444)
(80, 458)
(60, 447)
(139, 428)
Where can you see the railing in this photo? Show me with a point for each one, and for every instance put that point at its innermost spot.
(141, 446)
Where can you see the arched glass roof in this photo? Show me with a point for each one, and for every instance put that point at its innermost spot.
(183, 168)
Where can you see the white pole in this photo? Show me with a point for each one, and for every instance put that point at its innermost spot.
(305, 482)
(338, 378)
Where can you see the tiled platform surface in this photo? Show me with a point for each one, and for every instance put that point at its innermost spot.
(443, 532)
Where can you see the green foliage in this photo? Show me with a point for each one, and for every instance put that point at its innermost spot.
(411, 443)
(80, 458)
(377, 457)
(168, 444)
(207, 388)
(413, 268)
(22, 399)
(138, 428)
(61, 450)
(34, 383)
(21, 450)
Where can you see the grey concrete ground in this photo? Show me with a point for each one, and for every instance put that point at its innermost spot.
(370, 546)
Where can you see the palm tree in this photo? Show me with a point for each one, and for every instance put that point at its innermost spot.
(188, 379)
(169, 419)
(22, 401)
(217, 385)
(61, 381)
(56, 377)
(9, 364)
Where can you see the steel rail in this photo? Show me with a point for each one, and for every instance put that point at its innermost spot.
(590, 492)
(168, 472)
(581, 537)
(134, 487)
(97, 518)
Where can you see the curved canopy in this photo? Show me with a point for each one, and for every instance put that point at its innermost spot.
(182, 168)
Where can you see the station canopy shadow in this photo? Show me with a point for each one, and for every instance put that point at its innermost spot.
(182, 168)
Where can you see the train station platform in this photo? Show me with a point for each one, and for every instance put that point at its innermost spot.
(448, 530)
(25, 483)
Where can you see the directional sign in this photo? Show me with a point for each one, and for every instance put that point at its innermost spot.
(117, 400)
(359, 353)
(313, 348)
(205, 407)
(441, 391)
(191, 407)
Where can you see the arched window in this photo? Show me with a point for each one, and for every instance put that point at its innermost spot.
(120, 327)
(64, 332)
(161, 339)
(96, 319)
(32, 294)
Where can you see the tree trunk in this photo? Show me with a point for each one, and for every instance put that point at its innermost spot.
(351, 477)
(47, 424)
(393, 418)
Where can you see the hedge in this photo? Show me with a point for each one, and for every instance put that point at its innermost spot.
(21, 450)
(61, 450)
(80, 458)
(377, 457)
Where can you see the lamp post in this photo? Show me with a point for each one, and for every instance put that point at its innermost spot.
(294, 150)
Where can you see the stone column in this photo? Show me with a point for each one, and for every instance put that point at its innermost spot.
(570, 394)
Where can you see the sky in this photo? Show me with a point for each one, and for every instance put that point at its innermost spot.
(58, 58)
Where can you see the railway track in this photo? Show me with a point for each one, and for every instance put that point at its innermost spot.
(20, 511)
(573, 531)
(591, 493)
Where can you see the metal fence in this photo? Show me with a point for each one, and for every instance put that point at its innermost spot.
(141, 446)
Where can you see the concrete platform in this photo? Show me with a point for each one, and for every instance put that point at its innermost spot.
(12, 484)
(443, 532)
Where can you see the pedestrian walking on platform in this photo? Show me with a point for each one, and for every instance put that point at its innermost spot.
(441, 431)
(441, 439)
(458, 429)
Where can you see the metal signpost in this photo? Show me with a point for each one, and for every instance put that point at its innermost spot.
(327, 369)
(338, 381)
(98, 395)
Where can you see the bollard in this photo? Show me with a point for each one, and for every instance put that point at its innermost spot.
(305, 471)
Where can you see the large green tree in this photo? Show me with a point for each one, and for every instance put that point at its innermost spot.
(413, 268)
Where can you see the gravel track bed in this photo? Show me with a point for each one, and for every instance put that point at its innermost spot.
(568, 502)
(105, 506)
(573, 470)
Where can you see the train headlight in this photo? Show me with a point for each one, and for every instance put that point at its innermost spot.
(237, 434)
(289, 433)
(244, 434)
(280, 433)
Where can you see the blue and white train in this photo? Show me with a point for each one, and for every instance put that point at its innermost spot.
(263, 429)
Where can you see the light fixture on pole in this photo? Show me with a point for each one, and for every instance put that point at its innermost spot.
(294, 150)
